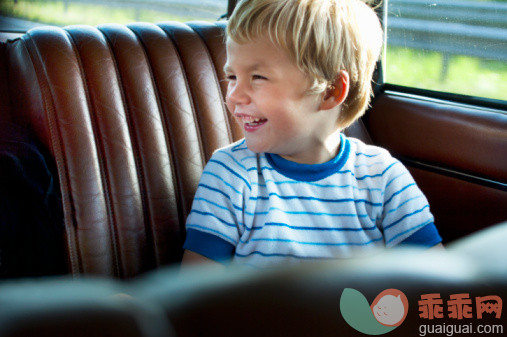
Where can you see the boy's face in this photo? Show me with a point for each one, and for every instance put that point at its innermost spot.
(267, 94)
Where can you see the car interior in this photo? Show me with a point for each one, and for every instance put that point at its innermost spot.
(104, 133)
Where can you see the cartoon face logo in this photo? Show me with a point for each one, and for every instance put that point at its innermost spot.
(390, 307)
(387, 312)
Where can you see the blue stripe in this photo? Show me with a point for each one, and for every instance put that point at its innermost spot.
(214, 216)
(262, 168)
(206, 229)
(304, 212)
(260, 185)
(258, 198)
(215, 190)
(318, 213)
(317, 185)
(222, 180)
(403, 203)
(248, 157)
(271, 208)
(409, 230)
(376, 175)
(292, 197)
(230, 170)
(308, 213)
(236, 147)
(279, 255)
(219, 206)
(392, 180)
(369, 176)
(369, 165)
(405, 216)
(398, 192)
(367, 155)
(317, 243)
(234, 159)
(257, 213)
(338, 229)
(239, 149)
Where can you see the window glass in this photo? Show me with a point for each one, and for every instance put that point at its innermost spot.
(20, 15)
(455, 46)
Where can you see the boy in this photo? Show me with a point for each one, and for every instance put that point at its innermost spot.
(295, 188)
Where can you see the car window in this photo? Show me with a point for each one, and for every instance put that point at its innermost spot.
(21, 15)
(454, 46)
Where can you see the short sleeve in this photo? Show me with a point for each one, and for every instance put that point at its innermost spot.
(209, 245)
(215, 222)
(427, 236)
(406, 215)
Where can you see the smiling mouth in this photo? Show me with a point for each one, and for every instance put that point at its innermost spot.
(260, 122)
(250, 121)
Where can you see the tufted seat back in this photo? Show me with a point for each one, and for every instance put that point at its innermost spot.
(131, 114)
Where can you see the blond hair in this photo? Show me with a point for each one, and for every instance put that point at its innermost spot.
(322, 37)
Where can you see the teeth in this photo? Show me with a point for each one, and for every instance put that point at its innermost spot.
(251, 120)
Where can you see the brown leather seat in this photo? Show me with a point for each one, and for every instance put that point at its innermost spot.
(130, 114)
(305, 300)
(300, 300)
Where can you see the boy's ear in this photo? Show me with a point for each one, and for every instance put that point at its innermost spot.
(337, 92)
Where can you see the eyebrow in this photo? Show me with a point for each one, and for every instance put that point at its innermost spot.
(254, 67)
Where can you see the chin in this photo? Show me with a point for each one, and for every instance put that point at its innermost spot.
(256, 147)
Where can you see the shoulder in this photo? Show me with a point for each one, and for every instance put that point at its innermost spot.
(234, 160)
(360, 151)
(372, 158)
(375, 162)
(405, 209)
(235, 154)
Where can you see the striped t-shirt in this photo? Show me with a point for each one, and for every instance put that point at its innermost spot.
(261, 209)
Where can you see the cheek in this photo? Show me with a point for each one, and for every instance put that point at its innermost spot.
(287, 126)
(229, 105)
(228, 102)
(228, 92)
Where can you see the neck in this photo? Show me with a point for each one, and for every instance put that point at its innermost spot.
(328, 149)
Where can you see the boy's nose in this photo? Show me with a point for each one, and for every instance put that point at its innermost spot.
(236, 94)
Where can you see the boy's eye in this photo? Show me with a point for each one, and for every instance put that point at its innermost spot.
(230, 77)
(259, 77)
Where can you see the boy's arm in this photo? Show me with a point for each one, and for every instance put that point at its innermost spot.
(406, 217)
(191, 258)
(438, 246)
(214, 224)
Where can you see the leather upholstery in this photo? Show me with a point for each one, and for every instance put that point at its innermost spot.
(460, 207)
(459, 137)
(131, 115)
(303, 300)
(450, 137)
